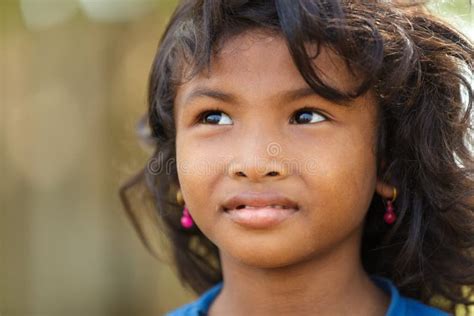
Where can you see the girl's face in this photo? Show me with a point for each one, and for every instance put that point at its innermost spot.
(269, 132)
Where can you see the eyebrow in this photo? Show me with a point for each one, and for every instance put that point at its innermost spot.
(210, 93)
(290, 95)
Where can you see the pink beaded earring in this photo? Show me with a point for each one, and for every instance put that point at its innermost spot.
(186, 219)
(390, 217)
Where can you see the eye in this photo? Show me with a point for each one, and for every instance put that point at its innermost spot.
(215, 117)
(307, 116)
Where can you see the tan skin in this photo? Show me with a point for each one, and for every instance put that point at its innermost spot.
(310, 263)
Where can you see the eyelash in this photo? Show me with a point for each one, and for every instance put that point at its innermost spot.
(203, 114)
(309, 109)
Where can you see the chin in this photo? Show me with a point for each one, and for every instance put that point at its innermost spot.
(264, 256)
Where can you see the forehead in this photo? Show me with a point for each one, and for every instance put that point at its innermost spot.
(260, 60)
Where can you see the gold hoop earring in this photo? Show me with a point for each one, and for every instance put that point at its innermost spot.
(186, 219)
(390, 217)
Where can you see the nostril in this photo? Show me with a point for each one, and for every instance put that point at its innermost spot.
(240, 174)
(273, 173)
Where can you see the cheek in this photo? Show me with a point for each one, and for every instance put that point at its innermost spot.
(200, 161)
(200, 168)
(342, 181)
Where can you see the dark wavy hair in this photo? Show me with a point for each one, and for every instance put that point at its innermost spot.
(420, 69)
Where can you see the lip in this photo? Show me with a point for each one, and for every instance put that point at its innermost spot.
(260, 212)
(260, 218)
(259, 199)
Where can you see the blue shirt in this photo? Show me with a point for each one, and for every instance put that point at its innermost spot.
(399, 305)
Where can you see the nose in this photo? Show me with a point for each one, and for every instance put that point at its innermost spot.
(255, 175)
(258, 168)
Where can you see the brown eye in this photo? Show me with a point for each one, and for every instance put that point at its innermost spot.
(215, 117)
(307, 116)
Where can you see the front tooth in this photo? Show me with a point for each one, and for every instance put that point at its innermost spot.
(272, 206)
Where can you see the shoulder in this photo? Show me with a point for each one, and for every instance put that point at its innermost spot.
(190, 309)
(415, 308)
(200, 306)
(404, 306)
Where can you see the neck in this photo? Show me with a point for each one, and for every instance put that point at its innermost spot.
(334, 283)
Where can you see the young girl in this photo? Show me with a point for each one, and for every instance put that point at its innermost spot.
(313, 157)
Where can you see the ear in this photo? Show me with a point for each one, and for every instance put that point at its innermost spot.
(384, 189)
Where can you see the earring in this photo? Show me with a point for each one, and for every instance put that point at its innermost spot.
(390, 217)
(186, 219)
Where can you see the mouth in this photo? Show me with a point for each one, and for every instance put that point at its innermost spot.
(255, 200)
(259, 210)
(249, 207)
(260, 217)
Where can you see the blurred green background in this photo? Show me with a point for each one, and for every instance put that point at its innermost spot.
(72, 86)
